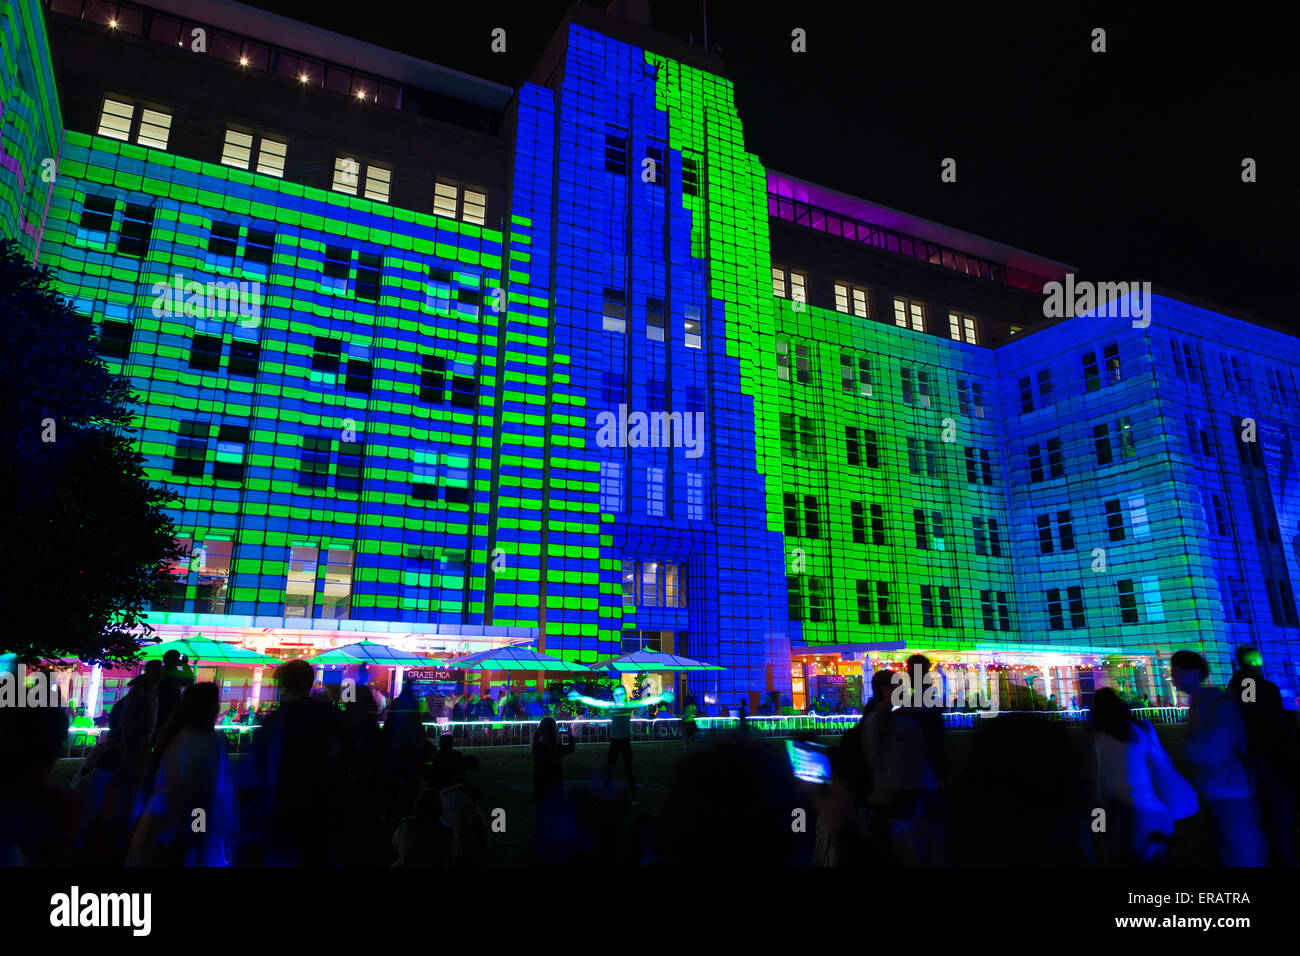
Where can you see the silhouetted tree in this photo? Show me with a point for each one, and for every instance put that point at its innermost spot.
(84, 541)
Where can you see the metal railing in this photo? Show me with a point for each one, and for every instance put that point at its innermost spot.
(516, 733)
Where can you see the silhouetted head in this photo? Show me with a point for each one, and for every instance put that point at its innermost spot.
(1248, 658)
(918, 660)
(1188, 670)
(446, 742)
(1110, 715)
(199, 706)
(547, 730)
(172, 657)
(295, 678)
(31, 739)
(882, 686)
(153, 670)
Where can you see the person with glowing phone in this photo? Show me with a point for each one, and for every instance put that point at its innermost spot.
(619, 711)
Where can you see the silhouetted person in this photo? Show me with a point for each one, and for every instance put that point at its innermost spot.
(176, 676)
(1270, 751)
(299, 754)
(112, 796)
(1216, 746)
(134, 718)
(191, 773)
(402, 744)
(548, 749)
(39, 821)
(1138, 823)
(688, 725)
(423, 839)
(619, 711)
(449, 764)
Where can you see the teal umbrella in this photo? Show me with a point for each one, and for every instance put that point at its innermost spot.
(653, 661)
(513, 659)
(202, 650)
(374, 653)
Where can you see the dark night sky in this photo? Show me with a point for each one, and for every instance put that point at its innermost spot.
(1126, 164)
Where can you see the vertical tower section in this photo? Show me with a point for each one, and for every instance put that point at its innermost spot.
(31, 124)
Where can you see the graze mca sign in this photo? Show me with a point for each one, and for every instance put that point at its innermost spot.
(435, 675)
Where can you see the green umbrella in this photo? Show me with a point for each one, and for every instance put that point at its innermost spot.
(513, 659)
(202, 650)
(653, 661)
(372, 652)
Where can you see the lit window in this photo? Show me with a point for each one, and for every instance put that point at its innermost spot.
(155, 127)
(300, 588)
(611, 486)
(778, 282)
(654, 320)
(238, 149)
(474, 208)
(347, 171)
(961, 328)
(798, 287)
(614, 313)
(693, 328)
(851, 300)
(115, 119)
(908, 314)
(444, 200)
(270, 157)
(377, 182)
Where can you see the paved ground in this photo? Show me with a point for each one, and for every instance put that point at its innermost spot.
(504, 777)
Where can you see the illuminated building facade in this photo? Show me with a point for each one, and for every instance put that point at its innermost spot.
(445, 364)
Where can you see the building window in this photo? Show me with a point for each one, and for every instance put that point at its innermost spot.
(155, 128)
(690, 173)
(614, 314)
(433, 379)
(799, 438)
(1128, 608)
(474, 207)
(97, 214)
(656, 501)
(347, 174)
(378, 181)
(979, 466)
(909, 314)
(314, 470)
(693, 328)
(300, 584)
(655, 169)
(223, 240)
(1101, 441)
(351, 467)
(326, 354)
(1127, 438)
(916, 387)
(936, 606)
(444, 200)
(232, 444)
(873, 603)
(970, 398)
(137, 230)
(1055, 460)
(1114, 520)
(1114, 370)
(852, 300)
(988, 542)
(855, 374)
(237, 150)
(616, 152)
(962, 328)
(191, 449)
(205, 353)
(1137, 516)
(788, 284)
(694, 496)
(114, 338)
(793, 361)
(1091, 376)
(115, 119)
(929, 538)
(369, 267)
(654, 320)
(995, 608)
(611, 486)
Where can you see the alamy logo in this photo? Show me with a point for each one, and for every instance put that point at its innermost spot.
(208, 300)
(16, 690)
(651, 430)
(74, 908)
(1109, 299)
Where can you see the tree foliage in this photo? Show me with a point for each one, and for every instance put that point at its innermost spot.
(85, 543)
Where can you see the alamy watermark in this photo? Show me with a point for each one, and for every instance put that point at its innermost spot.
(638, 429)
(207, 300)
(1129, 300)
